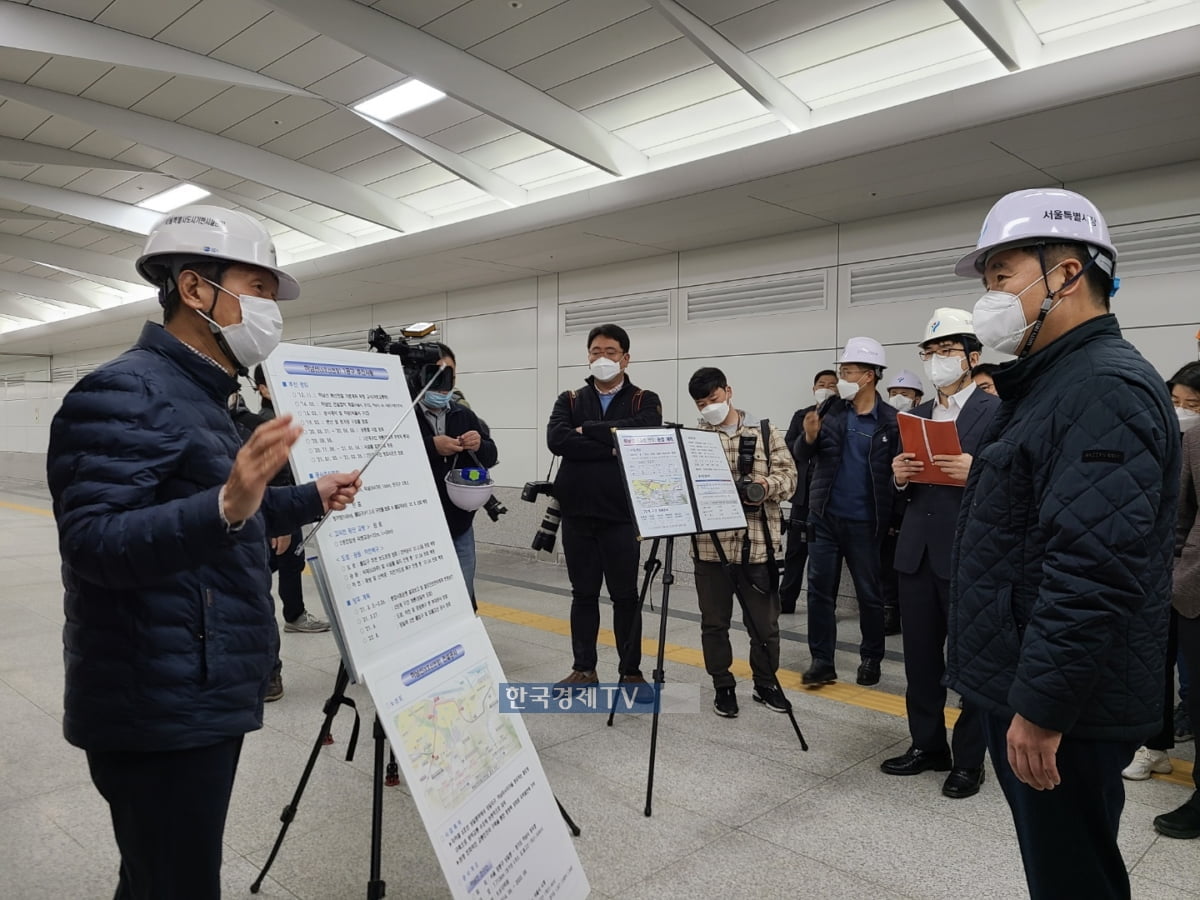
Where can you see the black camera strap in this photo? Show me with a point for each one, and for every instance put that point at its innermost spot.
(772, 566)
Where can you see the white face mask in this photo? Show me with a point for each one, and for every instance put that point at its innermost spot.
(943, 371)
(848, 390)
(823, 394)
(254, 338)
(605, 369)
(900, 403)
(1187, 418)
(1000, 320)
(715, 413)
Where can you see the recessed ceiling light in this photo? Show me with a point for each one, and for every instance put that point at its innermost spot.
(395, 102)
(173, 198)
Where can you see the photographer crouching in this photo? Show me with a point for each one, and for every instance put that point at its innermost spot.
(765, 473)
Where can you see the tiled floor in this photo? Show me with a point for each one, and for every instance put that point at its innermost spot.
(739, 811)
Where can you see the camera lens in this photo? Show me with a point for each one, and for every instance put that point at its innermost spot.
(544, 538)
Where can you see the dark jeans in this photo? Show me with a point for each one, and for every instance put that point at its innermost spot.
(1165, 739)
(290, 566)
(715, 594)
(832, 539)
(794, 559)
(1068, 836)
(924, 606)
(168, 813)
(598, 551)
(1189, 651)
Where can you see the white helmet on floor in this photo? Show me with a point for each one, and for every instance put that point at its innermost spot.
(864, 350)
(907, 379)
(947, 322)
(1041, 215)
(193, 233)
(469, 488)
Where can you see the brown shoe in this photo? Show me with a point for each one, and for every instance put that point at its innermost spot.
(274, 688)
(576, 679)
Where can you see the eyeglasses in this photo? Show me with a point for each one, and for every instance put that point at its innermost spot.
(849, 374)
(1192, 405)
(941, 352)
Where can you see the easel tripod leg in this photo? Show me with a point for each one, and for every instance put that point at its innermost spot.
(668, 579)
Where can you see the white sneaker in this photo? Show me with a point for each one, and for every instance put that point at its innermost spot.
(1144, 762)
(307, 624)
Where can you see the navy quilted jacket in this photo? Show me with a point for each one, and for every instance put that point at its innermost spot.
(825, 456)
(170, 628)
(1062, 572)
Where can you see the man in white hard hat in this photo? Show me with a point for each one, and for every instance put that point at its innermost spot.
(163, 518)
(1062, 576)
(949, 350)
(851, 440)
(905, 390)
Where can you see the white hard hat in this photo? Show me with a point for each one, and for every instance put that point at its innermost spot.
(468, 489)
(946, 322)
(865, 350)
(1041, 215)
(195, 232)
(907, 379)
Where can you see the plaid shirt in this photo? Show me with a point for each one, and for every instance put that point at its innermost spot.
(781, 484)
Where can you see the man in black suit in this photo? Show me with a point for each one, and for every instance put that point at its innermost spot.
(824, 387)
(949, 351)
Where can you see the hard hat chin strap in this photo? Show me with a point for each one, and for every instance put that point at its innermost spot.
(1048, 305)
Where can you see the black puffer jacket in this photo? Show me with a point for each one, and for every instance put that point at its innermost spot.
(589, 479)
(825, 456)
(459, 420)
(170, 629)
(1062, 571)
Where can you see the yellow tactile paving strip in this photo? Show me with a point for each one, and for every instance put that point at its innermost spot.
(864, 698)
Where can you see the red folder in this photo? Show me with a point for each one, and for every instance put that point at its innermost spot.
(927, 438)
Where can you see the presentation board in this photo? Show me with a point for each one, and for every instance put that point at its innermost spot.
(679, 481)
(403, 621)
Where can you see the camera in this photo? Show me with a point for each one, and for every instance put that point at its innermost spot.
(419, 358)
(534, 489)
(495, 509)
(543, 538)
(751, 492)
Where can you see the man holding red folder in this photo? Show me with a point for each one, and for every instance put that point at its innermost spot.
(949, 351)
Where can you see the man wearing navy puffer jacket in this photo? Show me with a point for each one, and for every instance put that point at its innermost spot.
(163, 517)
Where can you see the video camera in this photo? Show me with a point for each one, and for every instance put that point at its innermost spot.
(751, 492)
(543, 538)
(419, 358)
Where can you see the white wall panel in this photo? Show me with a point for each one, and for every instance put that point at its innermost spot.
(503, 399)
(768, 256)
(618, 279)
(492, 298)
(1167, 347)
(494, 342)
(429, 308)
(518, 449)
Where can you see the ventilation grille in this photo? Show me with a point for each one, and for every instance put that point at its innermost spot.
(634, 311)
(71, 374)
(907, 278)
(343, 340)
(1157, 249)
(767, 296)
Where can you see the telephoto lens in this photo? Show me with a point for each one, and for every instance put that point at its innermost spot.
(543, 538)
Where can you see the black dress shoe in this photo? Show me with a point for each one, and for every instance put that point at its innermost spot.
(962, 783)
(819, 673)
(891, 620)
(868, 672)
(915, 761)
(1179, 823)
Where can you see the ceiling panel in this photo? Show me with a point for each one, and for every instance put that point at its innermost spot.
(82, 237)
(714, 11)
(178, 97)
(554, 28)
(506, 150)
(80, 9)
(52, 176)
(365, 144)
(437, 116)
(100, 181)
(451, 193)
(139, 154)
(183, 169)
(71, 76)
(772, 22)
(386, 164)
(548, 164)
(124, 86)
(144, 17)
(695, 120)
(334, 126)
(319, 58)
(18, 65)
(356, 81)
(415, 179)
(477, 20)
(58, 131)
(628, 76)
(473, 133)
(267, 40)
(211, 23)
(227, 108)
(415, 12)
(135, 190)
(283, 117)
(598, 50)
(659, 99)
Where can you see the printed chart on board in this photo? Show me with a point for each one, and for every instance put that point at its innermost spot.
(388, 559)
(473, 771)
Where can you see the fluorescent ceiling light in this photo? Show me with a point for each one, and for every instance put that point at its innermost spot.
(173, 198)
(395, 102)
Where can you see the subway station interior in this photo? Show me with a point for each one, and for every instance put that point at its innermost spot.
(745, 184)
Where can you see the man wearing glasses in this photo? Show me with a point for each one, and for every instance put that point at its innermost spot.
(851, 440)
